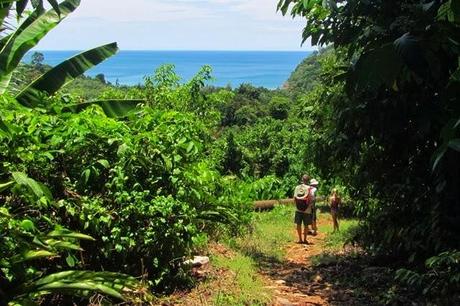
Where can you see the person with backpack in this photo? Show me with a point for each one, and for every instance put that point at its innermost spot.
(335, 202)
(303, 201)
(314, 187)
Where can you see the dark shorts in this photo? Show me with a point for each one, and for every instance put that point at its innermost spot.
(302, 218)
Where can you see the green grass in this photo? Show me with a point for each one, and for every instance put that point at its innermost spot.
(246, 287)
(272, 230)
(335, 241)
(262, 245)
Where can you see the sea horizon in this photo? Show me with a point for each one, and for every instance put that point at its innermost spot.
(264, 68)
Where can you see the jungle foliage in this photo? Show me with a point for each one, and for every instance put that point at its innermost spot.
(393, 93)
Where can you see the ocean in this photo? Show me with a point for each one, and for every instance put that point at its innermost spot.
(269, 69)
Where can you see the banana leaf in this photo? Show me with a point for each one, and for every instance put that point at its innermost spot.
(112, 108)
(63, 245)
(64, 73)
(22, 4)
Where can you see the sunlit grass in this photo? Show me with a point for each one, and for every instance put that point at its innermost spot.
(335, 241)
(245, 287)
(271, 232)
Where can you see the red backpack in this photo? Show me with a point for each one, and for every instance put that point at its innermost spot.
(303, 197)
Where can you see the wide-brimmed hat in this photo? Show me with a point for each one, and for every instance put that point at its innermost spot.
(314, 182)
(300, 191)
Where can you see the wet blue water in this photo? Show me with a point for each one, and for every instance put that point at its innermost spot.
(261, 68)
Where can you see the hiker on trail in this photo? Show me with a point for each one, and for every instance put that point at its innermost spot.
(314, 187)
(303, 199)
(335, 202)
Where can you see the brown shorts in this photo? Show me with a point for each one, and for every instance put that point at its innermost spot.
(304, 218)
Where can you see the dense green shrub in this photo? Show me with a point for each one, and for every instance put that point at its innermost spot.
(141, 186)
(279, 107)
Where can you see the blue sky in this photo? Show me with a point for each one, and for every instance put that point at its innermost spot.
(177, 25)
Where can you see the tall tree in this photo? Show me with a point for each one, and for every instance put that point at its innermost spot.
(37, 60)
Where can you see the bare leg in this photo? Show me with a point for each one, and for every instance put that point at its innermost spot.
(313, 224)
(305, 233)
(336, 223)
(299, 231)
(333, 221)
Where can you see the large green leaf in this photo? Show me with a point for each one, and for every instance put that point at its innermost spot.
(26, 37)
(410, 50)
(39, 190)
(32, 255)
(112, 108)
(63, 245)
(64, 233)
(80, 282)
(64, 73)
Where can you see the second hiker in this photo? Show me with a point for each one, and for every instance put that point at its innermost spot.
(314, 187)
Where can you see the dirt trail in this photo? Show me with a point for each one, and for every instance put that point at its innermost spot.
(293, 281)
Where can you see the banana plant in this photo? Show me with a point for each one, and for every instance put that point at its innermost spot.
(80, 283)
(14, 46)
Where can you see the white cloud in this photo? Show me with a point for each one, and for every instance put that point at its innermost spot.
(178, 24)
(139, 10)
